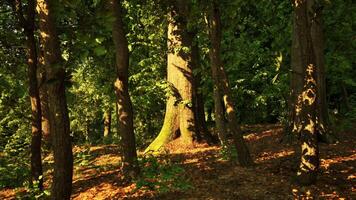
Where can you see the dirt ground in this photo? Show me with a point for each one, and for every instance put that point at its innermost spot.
(214, 178)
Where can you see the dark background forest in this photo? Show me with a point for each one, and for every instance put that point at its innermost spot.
(186, 99)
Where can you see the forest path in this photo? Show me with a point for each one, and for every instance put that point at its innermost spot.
(204, 173)
(212, 177)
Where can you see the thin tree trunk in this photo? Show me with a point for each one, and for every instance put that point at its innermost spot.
(222, 82)
(179, 115)
(107, 123)
(196, 81)
(123, 101)
(309, 163)
(58, 111)
(220, 124)
(28, 25)
(203, 128)
(345, 96)
(202, 131)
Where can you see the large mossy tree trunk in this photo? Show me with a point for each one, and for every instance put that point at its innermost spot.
(124, 105)
(28, 25)
(222, 85)
(323, 125)
(179, 117)
(58, 111)
(309, 163)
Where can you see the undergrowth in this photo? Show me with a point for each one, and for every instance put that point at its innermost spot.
(162, 175)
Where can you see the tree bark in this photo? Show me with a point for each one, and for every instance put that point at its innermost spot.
(296, 84)
(324, 129)
(124, 113)
(58, 111)
(107, 123)
(28, 25)
(179, 117)
(46, 126)
(222, 83)
(202, 132)
(309, 163)
(323, 126)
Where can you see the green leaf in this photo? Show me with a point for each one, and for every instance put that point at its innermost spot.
(100, 50)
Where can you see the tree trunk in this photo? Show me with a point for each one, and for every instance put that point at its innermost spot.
(202, 132)
(124, 113)
(196, 81)
(345, 96)
(296, 85)
(28, 25)
(46, 126)
(179, 117)
(309, 145)
(58, 111)
(323, 126)
(222, 83)
(107, 123)
(219, 111)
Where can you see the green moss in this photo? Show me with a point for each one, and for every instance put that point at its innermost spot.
(166, 132)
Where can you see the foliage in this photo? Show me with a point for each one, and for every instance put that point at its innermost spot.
(162, 175)
(228, 153)
(33, 193)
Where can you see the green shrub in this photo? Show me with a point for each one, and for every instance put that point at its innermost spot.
(161, 175)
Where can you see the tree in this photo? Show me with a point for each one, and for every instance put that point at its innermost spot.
(324, 129)
(28, 25)
(45, 124)
(202, 131)
(179, 117)
(107, 123)
(123, 101)
(308, 98)
(221, 85)
(58, 111)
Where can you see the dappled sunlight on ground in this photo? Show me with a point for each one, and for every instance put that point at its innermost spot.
(325, 163)
(97, 172)
(273, 155)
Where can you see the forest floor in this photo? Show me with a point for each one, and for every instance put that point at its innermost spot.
(205, 174)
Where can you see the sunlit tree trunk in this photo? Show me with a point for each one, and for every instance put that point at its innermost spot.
(58, 111)
(179, 117)
(220, 124)
(123, 101)
(308, 98)
(297, 77)
(28, 25)
(222, 83)
(107, 123)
